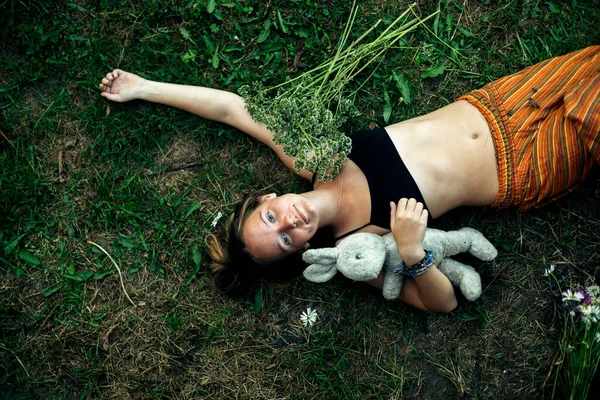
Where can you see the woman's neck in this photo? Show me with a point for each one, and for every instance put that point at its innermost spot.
(327, 197)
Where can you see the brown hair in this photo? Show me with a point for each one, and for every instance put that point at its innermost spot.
(234, 271)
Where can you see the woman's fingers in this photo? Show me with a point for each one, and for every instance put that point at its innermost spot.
(418, 207)
(402, 203)
(392, 214)
(409, 206)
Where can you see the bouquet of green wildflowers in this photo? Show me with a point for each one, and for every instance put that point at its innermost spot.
(306, 112)
(580, 344)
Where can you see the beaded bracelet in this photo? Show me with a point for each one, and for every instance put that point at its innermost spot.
(419, 268)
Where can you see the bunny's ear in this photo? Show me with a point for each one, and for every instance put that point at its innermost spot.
(320, 273)
(325, 256)
(323, 264)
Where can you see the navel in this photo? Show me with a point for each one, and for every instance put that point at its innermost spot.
(475, 136)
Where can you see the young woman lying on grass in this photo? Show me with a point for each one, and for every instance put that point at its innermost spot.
(521, 141)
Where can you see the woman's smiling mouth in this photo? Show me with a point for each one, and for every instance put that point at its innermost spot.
(300, 215)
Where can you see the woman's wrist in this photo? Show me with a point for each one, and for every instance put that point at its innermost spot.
(413, 257)
(144, 90)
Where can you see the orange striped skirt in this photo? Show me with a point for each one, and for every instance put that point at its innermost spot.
(545, 123)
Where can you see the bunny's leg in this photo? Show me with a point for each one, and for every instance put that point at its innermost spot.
(448, 244)
(480, 246)
(463, 276)
(392, 284)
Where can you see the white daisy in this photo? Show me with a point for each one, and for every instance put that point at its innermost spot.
(594, 313)
(593, 290)
(572, 296)
(589, 313)
(309, 317)
(549, 270)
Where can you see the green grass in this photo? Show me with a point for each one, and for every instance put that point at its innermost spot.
(145, 182)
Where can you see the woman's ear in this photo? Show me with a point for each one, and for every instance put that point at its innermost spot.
(266, 197)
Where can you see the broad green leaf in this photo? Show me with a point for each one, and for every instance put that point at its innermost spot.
(29, 258)
(189, 56)
(282, 24)
(228, 49)
(11, 246)
(102, 274)
(432, 72)
(186, 35)
(402, 86)
(263, 36)
(302, 33)
(387, 108)
(193, 207)
(209, 44)
(81, 277)
(449, 24)
(215, 60)
(464, 31)
(436, 24)
(196, 255)
(126, 244)
(51, 290)
(210, 7)
(99, 316)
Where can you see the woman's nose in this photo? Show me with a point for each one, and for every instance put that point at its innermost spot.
(289, 220)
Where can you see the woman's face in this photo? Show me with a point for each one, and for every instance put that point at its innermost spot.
(280, 226)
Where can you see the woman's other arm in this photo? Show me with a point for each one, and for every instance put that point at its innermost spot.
(213, 104)
(431, 291)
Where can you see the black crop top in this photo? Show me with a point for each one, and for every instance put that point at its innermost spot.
(389, 180)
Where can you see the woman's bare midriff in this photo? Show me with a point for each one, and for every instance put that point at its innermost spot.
(450, 155)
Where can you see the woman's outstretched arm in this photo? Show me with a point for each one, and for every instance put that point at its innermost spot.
(213, 104)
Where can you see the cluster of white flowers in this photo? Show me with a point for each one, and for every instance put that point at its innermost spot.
(580, 345)
(583, 303)
(305, 122)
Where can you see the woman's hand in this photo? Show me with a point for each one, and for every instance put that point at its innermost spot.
(408, 221)
(121, 86)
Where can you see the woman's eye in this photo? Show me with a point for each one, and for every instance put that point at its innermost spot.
(270, 217)
(287, 240)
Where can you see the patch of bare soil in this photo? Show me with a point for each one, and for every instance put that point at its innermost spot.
(181, 159)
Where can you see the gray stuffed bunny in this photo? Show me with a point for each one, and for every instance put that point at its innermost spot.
(362, 256)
